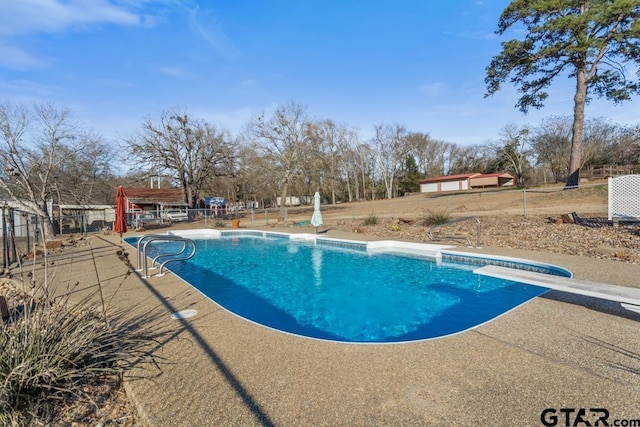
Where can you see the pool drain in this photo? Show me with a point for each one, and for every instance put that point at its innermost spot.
(184, 314)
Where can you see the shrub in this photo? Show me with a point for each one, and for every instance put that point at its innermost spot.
(52, 352)
(372, 219)
(435, 218)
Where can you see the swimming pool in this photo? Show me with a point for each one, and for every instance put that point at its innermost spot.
(348, 291)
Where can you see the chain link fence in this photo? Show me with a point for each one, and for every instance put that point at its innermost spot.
(20, 230)
(153, 219)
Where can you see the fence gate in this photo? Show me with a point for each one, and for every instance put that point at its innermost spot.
(624, 198)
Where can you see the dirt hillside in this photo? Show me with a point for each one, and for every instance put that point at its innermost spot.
(538, 219)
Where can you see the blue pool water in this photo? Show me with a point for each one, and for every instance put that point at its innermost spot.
(345, 294)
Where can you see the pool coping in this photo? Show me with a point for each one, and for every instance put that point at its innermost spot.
(440, 253)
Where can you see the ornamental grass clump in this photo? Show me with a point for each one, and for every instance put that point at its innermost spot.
(372, 219)
(53, 352)
(435, 218)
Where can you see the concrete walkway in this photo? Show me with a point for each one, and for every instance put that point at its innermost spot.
(216, 369)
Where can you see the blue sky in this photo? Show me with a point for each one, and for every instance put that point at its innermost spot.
(419, 63)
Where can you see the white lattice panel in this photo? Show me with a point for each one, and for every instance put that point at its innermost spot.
(624, 197)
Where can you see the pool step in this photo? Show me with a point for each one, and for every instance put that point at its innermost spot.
(615, 293)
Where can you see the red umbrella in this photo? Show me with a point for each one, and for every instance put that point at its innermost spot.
(120, 225)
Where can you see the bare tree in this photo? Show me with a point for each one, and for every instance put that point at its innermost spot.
(34, 143)
(86, 176)
(430, 153)
(626, 149)
(366, 159)
(604, 143)
(283, 137)
(255, 175)
(335, 144)
(513, 151)
(468, 158)
(552, 144)
(392, 149)
(600, 138)
(191, 150)
(348, 166)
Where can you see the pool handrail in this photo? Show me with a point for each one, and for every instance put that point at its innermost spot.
(454, 238)
(148, 238)
(139, 244)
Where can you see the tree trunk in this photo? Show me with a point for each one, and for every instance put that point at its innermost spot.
(283, 200)
(389, 187)
(579, 101)
(333, 192)
(348, 181)
(42, 213)
(49, 232)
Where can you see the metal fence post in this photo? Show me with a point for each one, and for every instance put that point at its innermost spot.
(5, 245)
(13, 256)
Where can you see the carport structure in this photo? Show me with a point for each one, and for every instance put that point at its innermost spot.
(466, 181)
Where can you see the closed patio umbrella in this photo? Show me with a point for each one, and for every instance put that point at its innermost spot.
(316, 219)
(120, 225)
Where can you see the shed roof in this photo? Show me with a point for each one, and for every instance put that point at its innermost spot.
(460, 176)
(449, 177)
(155, 195)
(495, 174)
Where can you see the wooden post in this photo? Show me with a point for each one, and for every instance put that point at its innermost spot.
(4, 308)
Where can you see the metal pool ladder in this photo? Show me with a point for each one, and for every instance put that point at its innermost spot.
(180, 255)
(455, 238)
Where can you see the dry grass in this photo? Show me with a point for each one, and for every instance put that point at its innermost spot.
(588, 200)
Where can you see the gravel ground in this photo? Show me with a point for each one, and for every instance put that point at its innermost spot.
(595, 239)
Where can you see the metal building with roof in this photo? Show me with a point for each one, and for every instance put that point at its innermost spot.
(466, 181)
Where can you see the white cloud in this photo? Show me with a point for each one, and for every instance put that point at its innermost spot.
(25, 89)
(50, 16)
(16, 58)
(22, 18)
(212, 32)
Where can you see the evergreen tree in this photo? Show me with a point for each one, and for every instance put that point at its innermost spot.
(586, 40)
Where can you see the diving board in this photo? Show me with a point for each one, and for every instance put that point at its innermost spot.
(621, 294)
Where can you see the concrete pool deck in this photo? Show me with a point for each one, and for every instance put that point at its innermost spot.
(556, 351)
